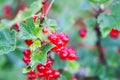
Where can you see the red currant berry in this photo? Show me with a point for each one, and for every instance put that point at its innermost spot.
(17, 26)
(59, 43)
(83, 32)
(27, 52)
(56, 74)
(57, 49)
(45, 30)
(114, 33)
(53, 38)
(49, 62)
(32, 75)
(63, 54)
(26, 60)
(73, 78)
(29, 42)
(7, 11)
(71, 54)
(47, 72)
(41, 74)
(63, 37)
(40, 67)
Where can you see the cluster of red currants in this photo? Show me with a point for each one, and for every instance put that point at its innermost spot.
(114, 33)
(60, 41)
(44, 72)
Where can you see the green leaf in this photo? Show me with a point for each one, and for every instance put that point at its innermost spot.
(23, 15)
(7, 41)
(115, 8)
(51, 23)
(36, 44)
(99, 1)
(40, 57)
(28, 30)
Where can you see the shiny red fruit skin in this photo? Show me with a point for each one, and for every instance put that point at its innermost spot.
(56, 74)
(49, 63)
(114, 33)
(63, 54)
(29, 42)
(71, 54)
(26, 60)
(63, 37)
(41, 74)
(83, 32)
(47, 72)
(27, 52)
(40, 68)
(17, 26)
(32, 75)
(53, 38)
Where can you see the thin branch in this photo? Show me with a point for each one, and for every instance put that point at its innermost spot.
(46, 13)
(98, 43)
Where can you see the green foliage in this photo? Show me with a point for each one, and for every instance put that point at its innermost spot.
(7, 41)
(99, 1)
(28, 30)
(23, 15)
(41, 56)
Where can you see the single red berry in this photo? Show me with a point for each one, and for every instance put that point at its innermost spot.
(57, 49)
(83, 32)
(35, 18)
(17, 26)
(40, 67)
(41, 74)
(7, 11)
(53, 38)
(27, 52)
(47, 72)
(71, 54)
(56, 74)
(32, 75)
(26, 60)
(59, 43)
(73, 78)
(49, 62)
(29, 42)
(114, 33)
(63, 54)
(45, 30)
(63, 37)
